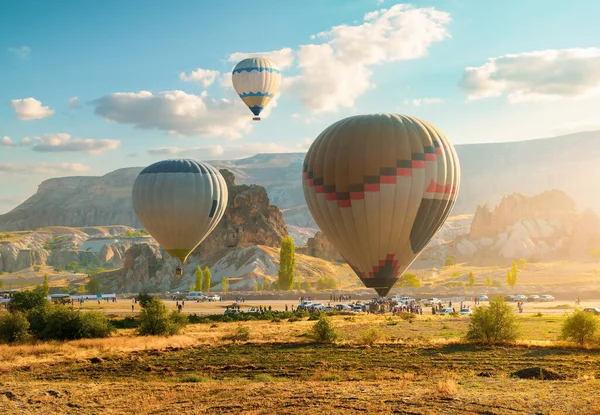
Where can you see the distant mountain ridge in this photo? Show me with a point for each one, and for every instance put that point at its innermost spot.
(570, 163)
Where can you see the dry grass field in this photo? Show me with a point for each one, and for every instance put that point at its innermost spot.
(419, 367)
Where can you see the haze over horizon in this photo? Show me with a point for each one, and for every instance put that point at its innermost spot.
(107, 85)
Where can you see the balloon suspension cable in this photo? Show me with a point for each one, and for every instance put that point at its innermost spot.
(256, 118)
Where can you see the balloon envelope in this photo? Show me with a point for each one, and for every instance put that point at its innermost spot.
(256, 80)
(179, 202)
(380, 187)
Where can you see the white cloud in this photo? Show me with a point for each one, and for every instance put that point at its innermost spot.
(305, 144)
(213, 152)
(43, 168)
(203, 77)
(22, 52)
(334, 74)
(283, 58)
(179, 113)
(417, 102)
(62, 143)
(536, 76)
(74, 102)
(30, 109)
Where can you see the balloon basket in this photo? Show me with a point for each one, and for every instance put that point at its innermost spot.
(255, 118)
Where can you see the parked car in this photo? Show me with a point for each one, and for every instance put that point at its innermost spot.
(510, 298)
(428, 302)
(534, 299)
(466, 311)
(447, 310)
(213, 297)
(343, 307)
(482, 297)
(520, 297)
(357, 309)
(232, 311)
(195, 296)
(547, 298)
(328, 309)
(402, 299)
(252, 310)
(593, 310)
(317, 306)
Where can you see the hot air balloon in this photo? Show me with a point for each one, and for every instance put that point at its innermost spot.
(380, 187)
(179, 202)
(256, 80)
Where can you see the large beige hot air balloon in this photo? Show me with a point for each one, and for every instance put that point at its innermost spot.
(256, 80)
(380, 187)
(179, 202)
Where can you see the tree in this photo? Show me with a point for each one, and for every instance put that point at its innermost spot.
(225, 285)
(1, 283)
(522, 263)
(93, 286)
(155, 319)
(26, 300)
(408, 280)
(496, 323)
(512, 275)
(199, 279)
(450, 261)
(580, 327)
(287, 263)
(206, 280)
(255, 286)
(471, 279)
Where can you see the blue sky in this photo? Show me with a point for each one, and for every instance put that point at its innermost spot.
(543, 79)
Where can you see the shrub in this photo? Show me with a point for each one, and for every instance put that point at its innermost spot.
(62, 323)
(408, 316)
(372, 335)
(450, 261)
(242, 334)
(324, 331)
(580, 327)
(143, 299)
(125, 323)
(496, 323)
(26, 300)
(327, 283)
(37, 319)
(13, 327)
(155, 319)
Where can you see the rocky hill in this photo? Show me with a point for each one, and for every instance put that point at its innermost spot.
(249, 220)
(538, 227)
(489, 171)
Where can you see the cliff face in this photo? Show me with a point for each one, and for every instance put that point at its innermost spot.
(544, 226)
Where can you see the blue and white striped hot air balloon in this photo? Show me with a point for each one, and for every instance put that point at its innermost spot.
(256, 80)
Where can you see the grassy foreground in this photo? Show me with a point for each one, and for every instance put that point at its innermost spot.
(419, 368)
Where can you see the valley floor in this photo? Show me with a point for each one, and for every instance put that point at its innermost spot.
(422, 367)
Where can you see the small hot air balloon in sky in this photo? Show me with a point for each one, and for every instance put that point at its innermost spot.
(179, 202)
(256, 80)
(380, 187)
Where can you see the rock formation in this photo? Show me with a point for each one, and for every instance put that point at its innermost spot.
(531, 227)
(320, 247)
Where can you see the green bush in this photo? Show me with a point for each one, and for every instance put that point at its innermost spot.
(327, 283)
(580, 327)
(143, 299)
(372, 335)
(155, 319)
(62, 323)
(13, 327)
(24, 301)
(408, 316)
(496, 323)
(124, 323)
(37, 319)
(324, 331)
